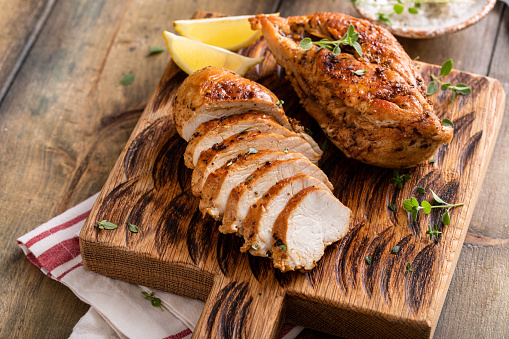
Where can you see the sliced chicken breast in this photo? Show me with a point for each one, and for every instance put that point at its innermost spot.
(216, 131)
(261, 216)
(246, 194)
(222, 153)
(215, 92)
(219, 183)
(311, 220)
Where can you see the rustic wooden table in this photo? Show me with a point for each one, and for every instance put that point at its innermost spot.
(64, 120)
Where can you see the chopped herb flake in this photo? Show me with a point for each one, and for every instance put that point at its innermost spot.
(105, 225)
(127, 79)
(133, 228)
(155, 50)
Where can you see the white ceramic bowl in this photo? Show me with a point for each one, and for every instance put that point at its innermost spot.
(423, 25)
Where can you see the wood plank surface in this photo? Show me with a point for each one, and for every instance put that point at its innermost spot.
(371, 300)
(64, 121)
(20, 24)
(46, 170)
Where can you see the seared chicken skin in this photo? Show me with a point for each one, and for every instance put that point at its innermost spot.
(383, 117)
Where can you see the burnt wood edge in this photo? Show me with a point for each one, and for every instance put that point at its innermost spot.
(342, 320)
(118, 263)
(496, 109)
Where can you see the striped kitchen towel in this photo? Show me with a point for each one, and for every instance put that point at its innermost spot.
(118, 309)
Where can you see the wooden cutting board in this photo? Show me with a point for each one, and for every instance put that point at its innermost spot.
(179, 251)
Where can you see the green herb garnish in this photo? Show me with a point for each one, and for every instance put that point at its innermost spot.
(133, 228)
(360, 72)
(282, 247)
(435, 84)
(105, 225)
(280, 103)
(325, 145)
(385, 18)
(432, 232)
(155, 50)
(249, 128)
(156, 302)
(229, 163)
(349, 39)
(395, 250)
(421, 190)
(252, 151)
(249, 178)
(447, 122)
(398, 179)
(127, 79)
(392, 207)
(432, 161)
(255, 247)
(368, 260)
(412, 205)
(308, 131)
(408, 268)
(286, 150)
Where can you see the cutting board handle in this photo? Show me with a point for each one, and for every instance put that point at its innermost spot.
(240, 309)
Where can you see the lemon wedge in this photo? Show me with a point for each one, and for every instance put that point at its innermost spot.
(192, 55)
(232, 33)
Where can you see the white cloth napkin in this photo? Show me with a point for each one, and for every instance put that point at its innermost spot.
(118, 309)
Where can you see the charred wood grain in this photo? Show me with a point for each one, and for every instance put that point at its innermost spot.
(468, 152)
(377, 250)
(201, 236)
(419, 282)
(228, 252)
(172, 224)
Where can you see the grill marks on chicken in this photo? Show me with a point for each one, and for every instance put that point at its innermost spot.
(381, 118)
(243, 153)
(215, 92)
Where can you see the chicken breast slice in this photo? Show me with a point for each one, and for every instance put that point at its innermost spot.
(220, 154)
(216, 131)
(246, 194)
(311, 220)
(215, 92)
(261, 216)
(219, 183)
(381, 117)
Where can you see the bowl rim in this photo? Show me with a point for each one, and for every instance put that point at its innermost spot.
(436, 32)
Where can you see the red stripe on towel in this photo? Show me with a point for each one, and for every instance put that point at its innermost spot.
(57, 228)
(180, 335)
(60, 254)
(69, 270)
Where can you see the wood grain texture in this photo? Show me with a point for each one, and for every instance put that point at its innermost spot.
(63, 124)
(149, 185)
(20, 24)
(29, 196)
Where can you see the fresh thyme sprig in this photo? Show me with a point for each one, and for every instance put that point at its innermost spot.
(435, 84)
(349, 39)
(412, 206)
(408, 268)
(433, 231)
(398, 179)
(105, 225)
(156, 302)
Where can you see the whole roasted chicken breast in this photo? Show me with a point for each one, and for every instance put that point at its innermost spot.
(372, 106)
